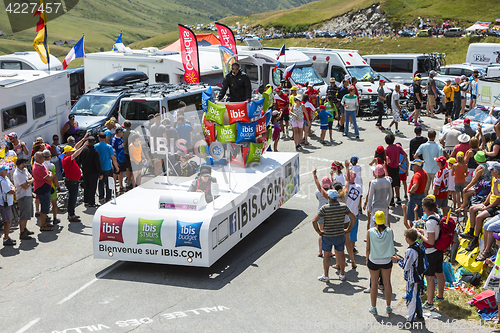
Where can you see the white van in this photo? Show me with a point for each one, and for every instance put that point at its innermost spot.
(483, 53)
(29, 61)
(338, 63)
(34, 103)
(400, 67)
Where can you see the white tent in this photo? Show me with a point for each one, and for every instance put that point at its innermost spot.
(476, 26)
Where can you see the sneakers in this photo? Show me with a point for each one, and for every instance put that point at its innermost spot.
(342, 277)
(357, 136)
(367, 290)
(56, 221)
(37, 214)
(283, 136)
(438, 299)
(392, 204)
(406, 197)
(23, 235)
(29, 232)
(324, 278)
(373, 310)
(398, 132)
(355, 251)
(428, 306)
(472, 245)
(398, 201)
(388, 129)
(467, 235)
(73, 218)
(343, 134)
(388, 310)
(332, 140)
(9, 242)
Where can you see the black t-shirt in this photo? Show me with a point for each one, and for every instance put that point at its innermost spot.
(496, 143)
(417, 90)
(414, 144)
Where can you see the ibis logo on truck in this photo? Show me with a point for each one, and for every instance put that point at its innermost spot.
(149, 232)
(111, 229)
(188, 234)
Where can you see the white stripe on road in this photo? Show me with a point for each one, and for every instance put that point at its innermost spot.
(28, 325)
(88, 284)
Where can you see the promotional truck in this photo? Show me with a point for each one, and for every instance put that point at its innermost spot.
(34, 103)
(483, 53)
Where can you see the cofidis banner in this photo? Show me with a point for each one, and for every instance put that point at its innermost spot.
(226, 37)
(189, 54)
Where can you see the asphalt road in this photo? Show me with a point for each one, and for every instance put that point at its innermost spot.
(267, 283)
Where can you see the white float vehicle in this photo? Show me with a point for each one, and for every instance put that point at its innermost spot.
(162, 222)
(338, 63)
(483, 54)
(34, 103)
(488, 88)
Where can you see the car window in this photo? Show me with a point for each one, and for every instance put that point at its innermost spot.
(454, 71)
(467, 72)
(338, 73)
(440, 84)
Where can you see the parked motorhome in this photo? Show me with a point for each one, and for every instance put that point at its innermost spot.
(28, 61)
(34, 103)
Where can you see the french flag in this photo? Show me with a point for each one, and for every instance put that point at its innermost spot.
(281, 52)
(77, 51)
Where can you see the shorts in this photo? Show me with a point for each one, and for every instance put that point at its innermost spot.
(459, 187)
(469, 175)
(430, 180)
(307, 123)
(376, 267)
(415, 199)
(418, 105)
(403, 177)
(298, 124)
(442, 203)
(435, 260)
(474, 97)
(431, 100)
(394, 174)
(330, 125)
(323, 127)
(25, 207)
(285, 117)
(337, 242)
(6, 213)
(396, 117)
(493, 210)
(128, 165)
(122, 167)
(493, 224)
(44, 202)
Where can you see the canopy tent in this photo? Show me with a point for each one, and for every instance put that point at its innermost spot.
(202, 39)
(478, 26)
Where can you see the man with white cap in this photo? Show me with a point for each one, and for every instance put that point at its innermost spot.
(6, 201)
(416, 190)
(450, 139)
(463, 146)
(333, 233)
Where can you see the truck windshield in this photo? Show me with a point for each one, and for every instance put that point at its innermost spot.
(306, 74)
(94, 105)
(363, 73)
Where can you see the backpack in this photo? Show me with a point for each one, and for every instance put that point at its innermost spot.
(472, 278)
(446, 233)
(422, 263)
(388, 99)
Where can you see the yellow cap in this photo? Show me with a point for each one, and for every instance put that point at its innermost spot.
(68, 148)
(293, 88)
(379, 217)
(417, 78)
(460, 153)
(452, 160)
(432, 196)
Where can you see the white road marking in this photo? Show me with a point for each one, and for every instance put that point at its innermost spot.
(28, 325)
(88, 284)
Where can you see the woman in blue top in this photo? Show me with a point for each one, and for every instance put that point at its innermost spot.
(379, 250)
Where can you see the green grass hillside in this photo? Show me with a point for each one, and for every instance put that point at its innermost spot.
(399, 12)
(102, 20)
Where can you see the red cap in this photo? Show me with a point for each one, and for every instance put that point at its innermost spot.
(335, 166)
(466, 121)
(380, 149)
(441, 159)
(278, 88)
(382, 80)
(321, 106)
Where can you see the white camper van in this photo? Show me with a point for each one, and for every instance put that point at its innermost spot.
(34, 103)
(483, 53)
(28, 60)
(338, 63)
